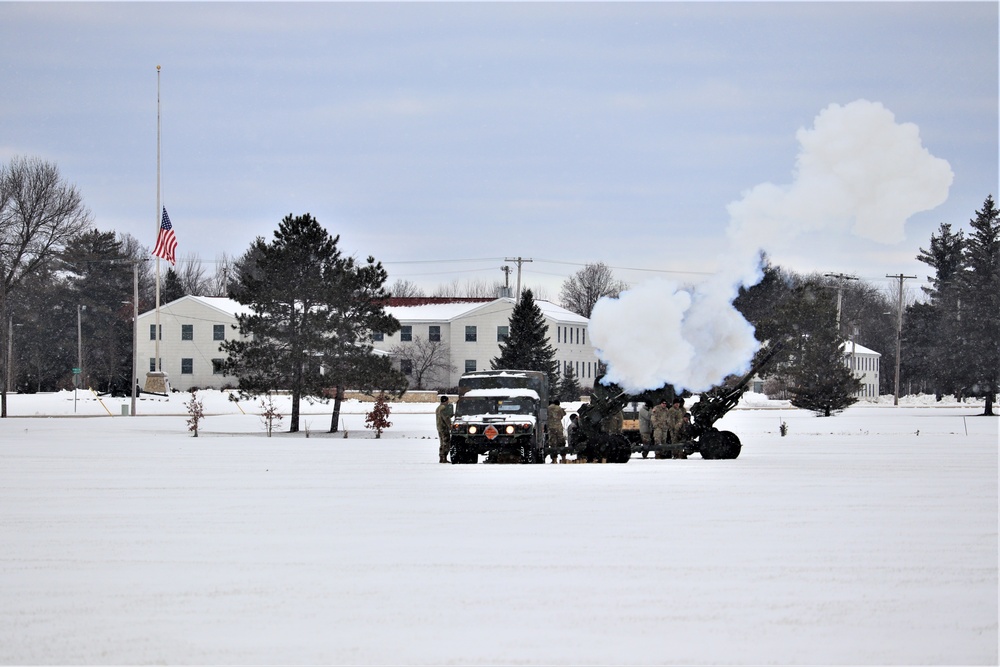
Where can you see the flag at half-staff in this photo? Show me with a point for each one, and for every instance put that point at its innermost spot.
(166, 242)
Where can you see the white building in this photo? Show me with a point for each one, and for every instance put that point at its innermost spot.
(191, 329)
(473, 329)
(865, 365)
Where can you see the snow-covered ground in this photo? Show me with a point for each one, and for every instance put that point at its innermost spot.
(865, 538)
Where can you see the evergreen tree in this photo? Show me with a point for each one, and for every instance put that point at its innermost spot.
(932, 334)
(979, 312)
(819, 379)
(311, 310)
(100, 282)
(569, 387)
(172, 287)
(759, 303)
(527, 346)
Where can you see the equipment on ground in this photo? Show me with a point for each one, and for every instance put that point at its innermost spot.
(596, 438)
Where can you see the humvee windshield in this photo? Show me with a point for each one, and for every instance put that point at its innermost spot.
(496, 405)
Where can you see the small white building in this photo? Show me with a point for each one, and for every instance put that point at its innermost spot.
(191, 329)
(865, 365)
(473, 329)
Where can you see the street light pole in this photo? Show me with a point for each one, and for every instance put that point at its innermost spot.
(135, 333)
(79, 351)
(10, 351)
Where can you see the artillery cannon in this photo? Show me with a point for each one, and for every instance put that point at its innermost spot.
(597, 439)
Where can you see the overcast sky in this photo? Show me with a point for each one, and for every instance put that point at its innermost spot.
(425, 134)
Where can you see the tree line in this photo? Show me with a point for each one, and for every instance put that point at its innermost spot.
(66, 301)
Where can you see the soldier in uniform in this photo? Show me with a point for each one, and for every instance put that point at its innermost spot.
(645, 428)
(658, 418)
(675, 420)
(557, 439)
(574, 423)
(445, 411)
(613, 423)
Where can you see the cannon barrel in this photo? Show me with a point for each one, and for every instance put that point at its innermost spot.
(713, 407)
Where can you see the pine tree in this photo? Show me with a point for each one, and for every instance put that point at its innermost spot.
(979, 313)
(172, 287)
(99, 282)
(312, 309)
(527, 346)
(932, 336)
(569, 387)
(820, 381)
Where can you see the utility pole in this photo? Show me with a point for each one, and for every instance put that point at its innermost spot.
(840, 290)
(519, 260)
(899, 329)
(506, 279)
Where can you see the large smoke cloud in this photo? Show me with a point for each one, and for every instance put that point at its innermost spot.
(857, 171)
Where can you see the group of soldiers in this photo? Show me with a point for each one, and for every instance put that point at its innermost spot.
(660, 426)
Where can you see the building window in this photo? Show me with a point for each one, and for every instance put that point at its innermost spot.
(406, 333)
(503, 333)
(470, 365)
(187, 366)
(187, 332)
(470, 335)
(216, 366)
(152, 332)
(218, 332)
(152, 364)
(558, 334)
(378, 336)
(434, 333)
(406, 366)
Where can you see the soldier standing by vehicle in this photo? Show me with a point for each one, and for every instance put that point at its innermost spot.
(675, 420)
(445, 411)
(557, 439)
(645, 429)
(658, 418)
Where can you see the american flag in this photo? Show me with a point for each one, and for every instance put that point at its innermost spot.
(166, 242)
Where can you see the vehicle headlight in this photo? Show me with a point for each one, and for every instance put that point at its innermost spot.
(509, 429)
(473, 430)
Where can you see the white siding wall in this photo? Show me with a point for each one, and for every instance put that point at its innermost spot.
(200, 350)
(569, 337)
(865, 366)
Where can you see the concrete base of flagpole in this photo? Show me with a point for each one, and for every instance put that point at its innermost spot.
(157, 383)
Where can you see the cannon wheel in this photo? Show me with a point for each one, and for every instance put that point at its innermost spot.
(620, 449)
(719, 445)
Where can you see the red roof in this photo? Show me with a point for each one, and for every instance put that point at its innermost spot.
(428, 300)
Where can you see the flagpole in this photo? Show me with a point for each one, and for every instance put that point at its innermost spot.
(156, 379)
(157, 364)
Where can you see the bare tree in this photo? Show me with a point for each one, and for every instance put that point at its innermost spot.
(581, 291)
(218, 283)
(427, 359)
(480, 289)
(39, 214)
(405, 289)
(192, 275)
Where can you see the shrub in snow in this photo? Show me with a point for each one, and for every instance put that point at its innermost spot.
(378, 418)
(196, 410)
(269, 414)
